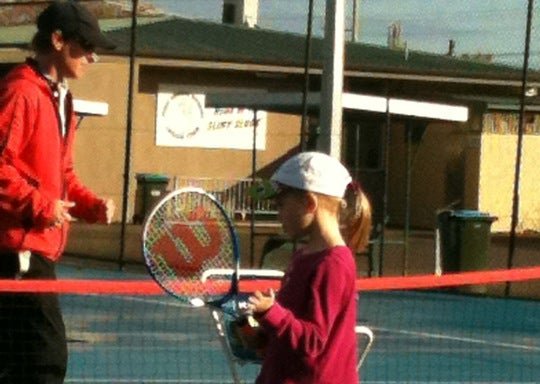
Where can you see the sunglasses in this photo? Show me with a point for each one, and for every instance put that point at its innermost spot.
(89, 48)
(85, 45)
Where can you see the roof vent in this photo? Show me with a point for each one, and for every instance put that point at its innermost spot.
(240, 12)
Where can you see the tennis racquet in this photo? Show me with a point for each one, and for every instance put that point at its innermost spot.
(187, 234)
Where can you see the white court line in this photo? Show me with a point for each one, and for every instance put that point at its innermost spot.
(460, 339)
(221, 381)
(165, 302)
(445, 382)
(148, 381)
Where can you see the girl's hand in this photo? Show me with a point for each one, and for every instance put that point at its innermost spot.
(261, 302)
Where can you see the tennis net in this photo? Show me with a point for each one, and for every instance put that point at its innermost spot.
(428, 329)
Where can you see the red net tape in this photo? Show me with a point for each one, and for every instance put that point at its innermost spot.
(149, 287)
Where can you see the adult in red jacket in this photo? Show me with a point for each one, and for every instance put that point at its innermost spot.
(39, 191)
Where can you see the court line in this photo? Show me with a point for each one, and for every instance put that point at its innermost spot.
(163, 301)
(445, 382)
(460, 339)
(221, 381)
(147, 381)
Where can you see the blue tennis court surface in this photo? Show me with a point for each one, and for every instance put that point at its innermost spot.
(425, 337)
(421, 337)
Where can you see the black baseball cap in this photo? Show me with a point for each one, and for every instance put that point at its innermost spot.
(75, 21)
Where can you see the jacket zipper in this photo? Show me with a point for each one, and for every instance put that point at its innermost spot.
(63, 141)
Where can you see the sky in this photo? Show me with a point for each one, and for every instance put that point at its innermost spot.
(477, 26)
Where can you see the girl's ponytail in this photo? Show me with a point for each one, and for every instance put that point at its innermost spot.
(356, 218)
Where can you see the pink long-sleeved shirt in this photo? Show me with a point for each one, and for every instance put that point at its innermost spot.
(311, 325)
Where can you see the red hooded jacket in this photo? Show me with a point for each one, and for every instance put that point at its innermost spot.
(36, 165)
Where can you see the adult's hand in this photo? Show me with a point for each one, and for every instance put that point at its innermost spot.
(61, 213)
(107, 212)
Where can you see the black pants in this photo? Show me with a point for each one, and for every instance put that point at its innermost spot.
(33, 346)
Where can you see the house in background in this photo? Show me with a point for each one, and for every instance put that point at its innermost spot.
(450, 162)
(432, 161)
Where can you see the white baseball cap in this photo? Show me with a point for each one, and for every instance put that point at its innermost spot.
(313, 172)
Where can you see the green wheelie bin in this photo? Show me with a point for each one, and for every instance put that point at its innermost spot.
(465, 237)
(151, 188)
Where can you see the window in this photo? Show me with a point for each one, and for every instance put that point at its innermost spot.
(363, 144)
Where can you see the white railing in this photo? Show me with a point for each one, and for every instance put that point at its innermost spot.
(234, 194)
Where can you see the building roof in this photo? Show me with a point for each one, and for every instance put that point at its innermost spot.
(21, 35)
(178, 38)
(169, 37)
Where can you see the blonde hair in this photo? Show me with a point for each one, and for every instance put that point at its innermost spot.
(354, 214)
(356, 218)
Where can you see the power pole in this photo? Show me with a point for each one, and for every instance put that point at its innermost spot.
(332, 79)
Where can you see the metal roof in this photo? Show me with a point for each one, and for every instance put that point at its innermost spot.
(21, 35)
(172, 38)
(178, 38)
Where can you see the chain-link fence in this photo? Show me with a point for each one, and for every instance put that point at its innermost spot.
(463, 52)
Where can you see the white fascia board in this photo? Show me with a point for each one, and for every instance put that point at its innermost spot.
(350, 101)
(364, 102)
(90, 108)
(428, 110)
(405, 107)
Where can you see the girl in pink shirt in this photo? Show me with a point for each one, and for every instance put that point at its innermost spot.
(310, 324)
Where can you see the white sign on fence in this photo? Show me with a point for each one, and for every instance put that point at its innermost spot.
(182, 120)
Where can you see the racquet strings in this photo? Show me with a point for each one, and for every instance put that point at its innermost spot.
(187, 234)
